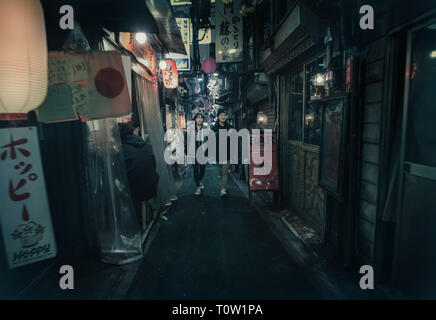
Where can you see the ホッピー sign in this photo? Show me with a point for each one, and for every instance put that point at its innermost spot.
(25, 214)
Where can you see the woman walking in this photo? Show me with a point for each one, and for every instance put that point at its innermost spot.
(199, 169)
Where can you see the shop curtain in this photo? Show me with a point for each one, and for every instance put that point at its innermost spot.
(151, 120)
(110, 204)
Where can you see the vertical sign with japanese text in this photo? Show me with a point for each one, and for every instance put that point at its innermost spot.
(228, 32)
(185, 30)
(25, 214)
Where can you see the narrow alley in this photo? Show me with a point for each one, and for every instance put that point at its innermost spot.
(213, 248)
(217, 150)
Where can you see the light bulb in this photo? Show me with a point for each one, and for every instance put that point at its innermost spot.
(141, 37)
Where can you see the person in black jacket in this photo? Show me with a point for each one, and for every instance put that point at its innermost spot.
(140, 165)
(222, 123)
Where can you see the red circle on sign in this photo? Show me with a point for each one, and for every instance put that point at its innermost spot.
(109, 82)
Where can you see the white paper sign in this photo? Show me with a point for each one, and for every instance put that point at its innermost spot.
(25, 214)
(228, 32)
(185, 30)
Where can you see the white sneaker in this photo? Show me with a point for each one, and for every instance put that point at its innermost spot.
(201, 185)
(198, 191)
(173, 198)
(224, 193)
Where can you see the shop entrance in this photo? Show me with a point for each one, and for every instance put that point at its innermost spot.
(416, 233)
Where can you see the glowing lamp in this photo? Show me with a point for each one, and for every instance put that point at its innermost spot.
(262, 118)
(23, 58)
(170, 75)
(209, 65)
(141, 37)
(319, 79)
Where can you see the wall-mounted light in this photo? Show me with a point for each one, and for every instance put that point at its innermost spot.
(163, 64)
(262, 118)
(433, 54)
(319, 79)
(141, 37)
(23, 57)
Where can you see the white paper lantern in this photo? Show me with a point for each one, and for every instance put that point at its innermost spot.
(23, 56)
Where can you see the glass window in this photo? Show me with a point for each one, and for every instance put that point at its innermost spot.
(314, 93)
(295, 105)
(421, 116)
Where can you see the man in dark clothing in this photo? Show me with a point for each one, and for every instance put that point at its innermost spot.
(140, 165)
(222, 123)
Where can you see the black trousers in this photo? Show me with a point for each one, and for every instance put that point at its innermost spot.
(199, 170)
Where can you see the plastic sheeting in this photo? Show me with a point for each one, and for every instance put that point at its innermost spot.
(151, 119)
(118, 231)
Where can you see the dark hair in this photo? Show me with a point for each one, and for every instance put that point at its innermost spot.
(125, 129)
(133, 124)
(198, 114)
(221, 110)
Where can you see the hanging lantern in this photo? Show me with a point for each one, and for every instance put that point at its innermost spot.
(169, 75)
(209, 65)
(23, 58)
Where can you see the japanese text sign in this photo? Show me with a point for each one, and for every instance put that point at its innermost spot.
(228, 32)
(263, 145)
(169, 75)
(25, 214)
(93, 85)
(185, 27)
(143, 52)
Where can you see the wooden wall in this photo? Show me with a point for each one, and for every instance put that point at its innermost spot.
(373, 88)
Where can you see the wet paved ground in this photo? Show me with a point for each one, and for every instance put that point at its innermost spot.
(212, 248)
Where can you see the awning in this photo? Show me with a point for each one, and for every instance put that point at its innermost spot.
(149, 16)
(168, 31)
(298, 32)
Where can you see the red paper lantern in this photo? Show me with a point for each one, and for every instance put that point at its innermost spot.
(209, 65)
(169, 75)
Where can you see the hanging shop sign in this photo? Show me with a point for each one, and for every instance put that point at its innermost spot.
(182, 121)
(228, 32)
(185, 27)
(182, 61)
(169, 75)
(25, 220)
(258, 147)
(144, 52)
(90, 86)
(204, 36)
